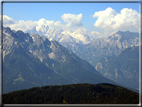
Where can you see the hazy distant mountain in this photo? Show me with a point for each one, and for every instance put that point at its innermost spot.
(60, 35)
(85, 46)
(123, 68)
(73, 94)
(33, 60)
(109, 46)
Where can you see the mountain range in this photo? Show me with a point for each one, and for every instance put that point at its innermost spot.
(112, 45)
(60, 35)
(28, 57)
(33, 60)
(86, 46)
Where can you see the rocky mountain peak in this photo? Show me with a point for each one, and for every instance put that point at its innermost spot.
(36, 61)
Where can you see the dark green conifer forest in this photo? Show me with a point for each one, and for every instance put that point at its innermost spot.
(73, 94)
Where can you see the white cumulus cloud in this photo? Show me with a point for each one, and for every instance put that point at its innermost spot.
(95, 32)
(72, 19)
(43, 22)
(110, 19)
(18, 25)
(7, 20)
(22, 25)
(27, 25)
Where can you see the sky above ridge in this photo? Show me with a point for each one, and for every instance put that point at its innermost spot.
(99, 19)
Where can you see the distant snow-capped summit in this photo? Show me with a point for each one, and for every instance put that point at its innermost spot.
(78, 36)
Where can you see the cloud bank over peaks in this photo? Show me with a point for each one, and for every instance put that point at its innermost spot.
(81, 30)
(95, 32)
(45, 23)
(7, 20)
(72, 19)
(110, 19)
(18, 25)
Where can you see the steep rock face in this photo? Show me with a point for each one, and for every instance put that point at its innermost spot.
(21, 70)
(123, 68)
(33, 60)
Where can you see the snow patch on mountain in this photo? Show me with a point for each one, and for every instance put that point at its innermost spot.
(33, 38)
(52, 55)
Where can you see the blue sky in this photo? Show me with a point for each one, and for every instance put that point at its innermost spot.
(54, 11)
